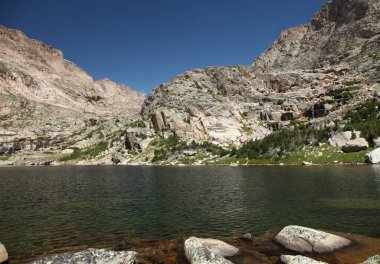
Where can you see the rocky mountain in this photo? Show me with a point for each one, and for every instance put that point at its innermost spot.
(312, 73)
(45, 99)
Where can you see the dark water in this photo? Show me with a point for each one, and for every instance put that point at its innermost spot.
(55, 207)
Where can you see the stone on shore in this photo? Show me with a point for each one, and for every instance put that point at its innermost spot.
(91, 256)
(303, 239)
(208, 251)
(373, 157)
(289, 259)
(373, 260)
(355, 145)
(3, 253)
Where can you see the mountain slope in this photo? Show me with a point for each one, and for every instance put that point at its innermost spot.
(313, 73)
(44, 97)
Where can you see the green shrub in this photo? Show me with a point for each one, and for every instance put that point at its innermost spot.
(280, 143)
(365, 119)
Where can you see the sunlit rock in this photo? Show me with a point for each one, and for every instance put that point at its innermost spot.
(303, 239)
(91, 256)
(288, 259)
(207, 250)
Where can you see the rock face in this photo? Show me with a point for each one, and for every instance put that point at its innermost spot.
(45, 99)
(373, 260)
(303, 239)
(91, 256)
(374, 156)
(212, 251)
(313, 72)
(288, 259)
(3, 253)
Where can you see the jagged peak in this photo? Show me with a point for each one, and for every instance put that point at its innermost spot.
(341, 12)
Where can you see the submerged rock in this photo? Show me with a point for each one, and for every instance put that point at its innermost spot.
(247, 237)
(91, 256)
(288, 259)
(374, 156)
(207, 250)
(3, 253)
(303, 239)
(373, 260)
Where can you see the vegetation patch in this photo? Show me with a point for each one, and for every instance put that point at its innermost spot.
(366, 119)
(278, 144)
(88, 153)
(4, 158)
(343, 95)
(175, 147)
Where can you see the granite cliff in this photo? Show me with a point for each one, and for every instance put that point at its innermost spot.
(299, 78)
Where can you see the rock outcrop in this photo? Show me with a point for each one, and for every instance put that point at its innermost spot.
(3, 253)
(289, 259)
(91, 256)
(303, 239)
(208, 251)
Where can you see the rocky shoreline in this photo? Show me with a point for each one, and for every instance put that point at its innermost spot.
(292, 244)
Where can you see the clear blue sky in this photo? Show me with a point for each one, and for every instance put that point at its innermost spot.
(144, 43)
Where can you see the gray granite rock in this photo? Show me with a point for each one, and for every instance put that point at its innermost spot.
(303, 239)
(373, 157)
(373, 260)
(91, 256)
(289, 259)
(208, 251)
(3, 253)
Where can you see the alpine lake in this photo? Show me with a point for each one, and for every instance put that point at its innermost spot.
(46, 210)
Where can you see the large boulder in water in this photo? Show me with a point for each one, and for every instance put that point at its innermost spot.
(208, 251)
(373, 260)
(3, 253)
(303, 239)
(91, 256)
(374, 156)
(289, 259)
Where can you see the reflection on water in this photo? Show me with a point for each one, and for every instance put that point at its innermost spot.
(376, 172)
(54, 207)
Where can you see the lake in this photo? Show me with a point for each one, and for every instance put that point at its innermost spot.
(47, 208)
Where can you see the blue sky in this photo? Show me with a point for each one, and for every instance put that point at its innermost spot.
(144, 43)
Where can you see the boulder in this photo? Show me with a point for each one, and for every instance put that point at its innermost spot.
(303, 239)
(3, 253)
(247, 237)
(355, 145)
(91, 256)
(373, 260)
(288, 259)
(373, 157)
(208, 251)
(340, 139)
(376, 142)
(117, 157)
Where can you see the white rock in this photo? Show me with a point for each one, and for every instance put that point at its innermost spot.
(373, 157)
(288, 259)
(91, 256)
(377, 142)
(208, 251)
(67, 151)
(303, 239)
(3, 253)
(373, 260)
